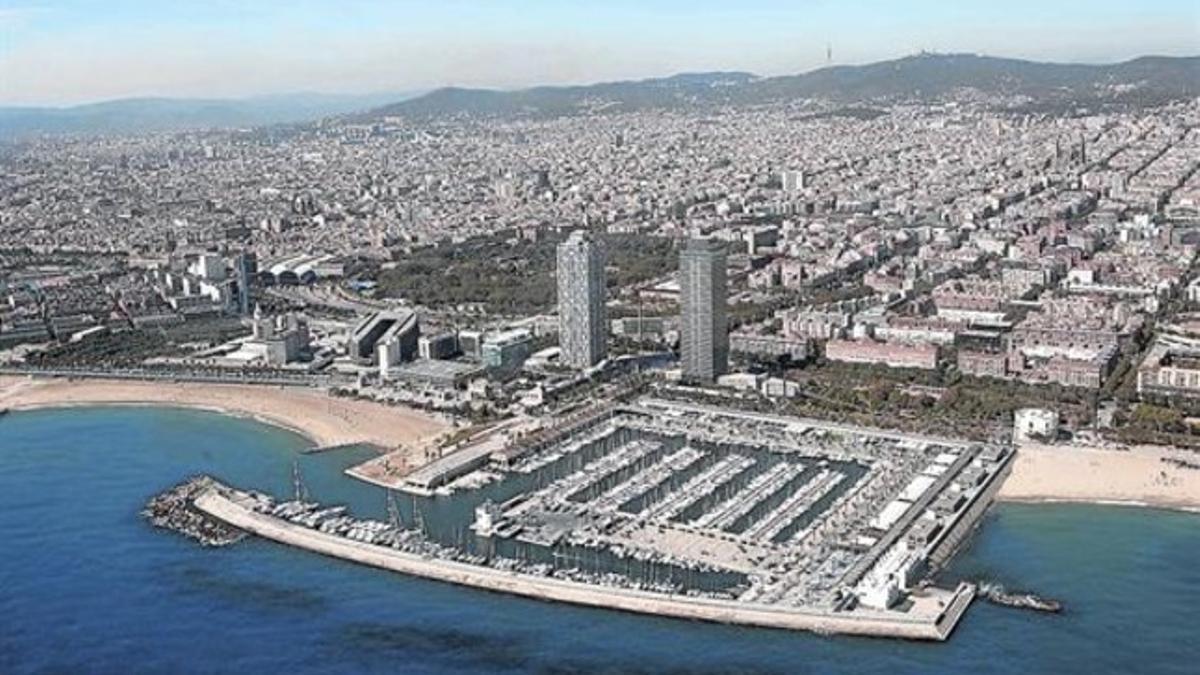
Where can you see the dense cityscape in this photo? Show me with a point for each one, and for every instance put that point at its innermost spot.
(939, 247)
(760, 351)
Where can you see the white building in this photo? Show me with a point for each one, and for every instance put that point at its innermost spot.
(1034, 424)
(792, 180)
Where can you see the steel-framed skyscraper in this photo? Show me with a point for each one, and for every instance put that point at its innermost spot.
(582, 319)
(703, 329)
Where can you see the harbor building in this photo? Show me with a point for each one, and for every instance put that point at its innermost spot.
(703, 330)
(582, 324)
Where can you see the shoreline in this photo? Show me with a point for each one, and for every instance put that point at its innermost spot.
(1122, 503)
(1141, 477)
(170, 405)
(321, 419)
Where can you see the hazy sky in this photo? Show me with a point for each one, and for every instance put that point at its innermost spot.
(69, 51)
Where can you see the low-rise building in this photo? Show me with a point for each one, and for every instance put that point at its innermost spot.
(889, 354)
(506, 351)
(1171, 369)
(1034, 424)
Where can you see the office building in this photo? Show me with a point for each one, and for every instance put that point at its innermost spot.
(437, 347)
(245, 268)
(582, 324)
(396, 331)
(703, 329)
(506, 351)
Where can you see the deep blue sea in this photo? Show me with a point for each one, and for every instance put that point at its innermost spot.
(86, 586)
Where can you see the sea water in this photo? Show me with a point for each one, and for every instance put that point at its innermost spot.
(86, 586)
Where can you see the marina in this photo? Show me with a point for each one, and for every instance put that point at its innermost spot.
(679, 510)
(154, 589)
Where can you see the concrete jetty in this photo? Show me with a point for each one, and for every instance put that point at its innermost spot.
(933, 616)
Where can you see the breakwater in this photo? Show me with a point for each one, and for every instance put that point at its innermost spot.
(238, 509)
(175, 510)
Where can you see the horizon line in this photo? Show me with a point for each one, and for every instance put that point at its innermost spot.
(418, 92)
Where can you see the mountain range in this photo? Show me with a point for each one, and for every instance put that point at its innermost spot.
(130, 115)
(1149, 80)
(1143, 81)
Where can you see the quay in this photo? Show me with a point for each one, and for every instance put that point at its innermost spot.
(934, 616)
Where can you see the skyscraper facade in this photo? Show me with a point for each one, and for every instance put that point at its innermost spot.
(703, 329)
(245, 267)
(582, 320)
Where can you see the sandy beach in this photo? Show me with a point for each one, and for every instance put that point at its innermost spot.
(1138, 476)
(323, 419)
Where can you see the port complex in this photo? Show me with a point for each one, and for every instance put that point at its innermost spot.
(682, 510)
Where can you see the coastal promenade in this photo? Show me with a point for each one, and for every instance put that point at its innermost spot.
(933, 616)
(279, 377)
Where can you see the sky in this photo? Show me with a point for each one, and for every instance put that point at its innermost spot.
(65, 52)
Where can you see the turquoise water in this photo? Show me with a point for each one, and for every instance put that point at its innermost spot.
(87, 587)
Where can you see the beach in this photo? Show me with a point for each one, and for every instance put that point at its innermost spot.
(323, 419)
(1141, 476)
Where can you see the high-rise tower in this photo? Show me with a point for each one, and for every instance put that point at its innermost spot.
(245, 267)
(703, 329)
(582, 320)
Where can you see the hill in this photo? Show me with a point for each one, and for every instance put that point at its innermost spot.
(177, 114)
(1143, 81)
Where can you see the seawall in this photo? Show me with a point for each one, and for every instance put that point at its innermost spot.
(856, 622)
